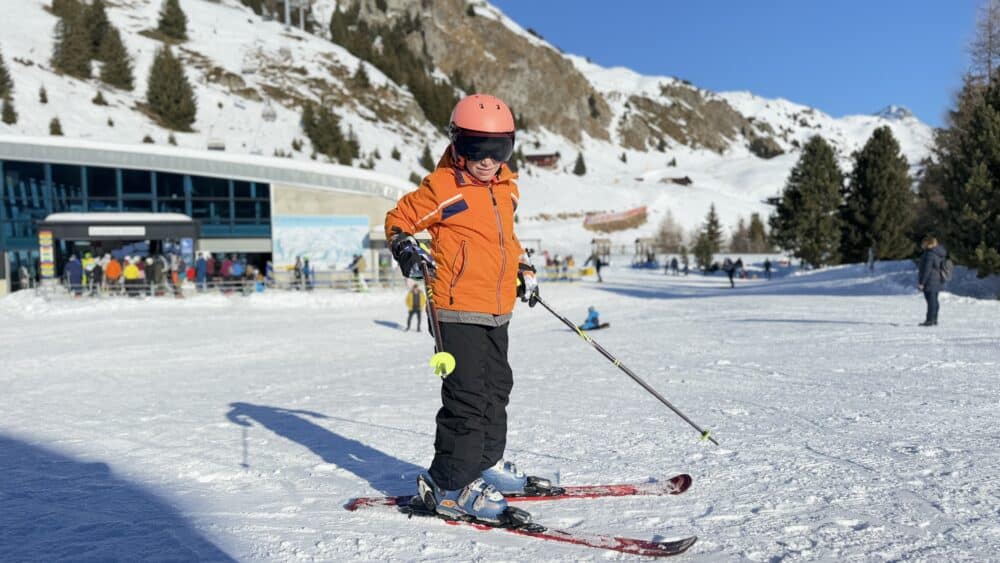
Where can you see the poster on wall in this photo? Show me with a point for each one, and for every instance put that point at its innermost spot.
(329, 241)
(46, 255)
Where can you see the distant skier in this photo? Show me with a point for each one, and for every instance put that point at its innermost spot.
(767, 267)
(674, 266)
(930, 278)
(595, 259)
(467, 203)
(871, 259)
(415, 302)
(730, 269)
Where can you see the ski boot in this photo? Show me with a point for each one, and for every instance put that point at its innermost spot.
(477, 501)
(506, 478)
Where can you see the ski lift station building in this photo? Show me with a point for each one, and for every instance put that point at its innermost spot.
(95, 197)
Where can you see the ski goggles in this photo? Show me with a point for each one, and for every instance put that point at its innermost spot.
(480, 146)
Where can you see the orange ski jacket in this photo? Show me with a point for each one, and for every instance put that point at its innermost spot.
(472, 236)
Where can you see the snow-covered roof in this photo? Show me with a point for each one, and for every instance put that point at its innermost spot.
(126, 217)
(249, 168)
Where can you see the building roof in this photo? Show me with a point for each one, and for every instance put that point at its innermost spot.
(124, 217)
(249, 168)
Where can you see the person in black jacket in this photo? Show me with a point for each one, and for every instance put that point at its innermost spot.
(929, 278)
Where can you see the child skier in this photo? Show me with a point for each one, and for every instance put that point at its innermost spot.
(593, 319)
(467, 204)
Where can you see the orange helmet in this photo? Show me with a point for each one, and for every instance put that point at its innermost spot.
(481, 127)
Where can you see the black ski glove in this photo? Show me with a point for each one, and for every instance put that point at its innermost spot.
(411, 256)
(527, 284)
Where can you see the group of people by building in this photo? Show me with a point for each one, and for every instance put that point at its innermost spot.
(156, 274)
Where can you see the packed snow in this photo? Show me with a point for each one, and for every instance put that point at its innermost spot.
(232, 428)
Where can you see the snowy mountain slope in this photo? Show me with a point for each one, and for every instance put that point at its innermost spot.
(244, 67)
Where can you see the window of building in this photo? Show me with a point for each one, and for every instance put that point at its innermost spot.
(211, 211)
(136, 182)
(66, 175)
(17, 172)
(138, 205)
(102, 183)
(209, 187)
(242, 189)
(246, 211)
(170, 206)
(169, 186)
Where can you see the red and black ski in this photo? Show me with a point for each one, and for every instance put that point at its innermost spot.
(673, 486)
(413, 506)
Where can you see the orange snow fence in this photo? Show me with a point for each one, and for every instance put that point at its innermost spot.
(607, 222)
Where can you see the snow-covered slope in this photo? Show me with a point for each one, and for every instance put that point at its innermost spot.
(234, 57)
(212, 428)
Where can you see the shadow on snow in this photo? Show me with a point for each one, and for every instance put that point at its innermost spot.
(389, 324)
(844, 281)
(58, 508)
(383, 472)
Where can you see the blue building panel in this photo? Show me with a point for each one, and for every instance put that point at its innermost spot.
(30, 191)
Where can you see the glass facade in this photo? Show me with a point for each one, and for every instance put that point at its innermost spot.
(30, 191)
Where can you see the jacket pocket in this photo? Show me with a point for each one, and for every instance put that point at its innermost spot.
(458, 267)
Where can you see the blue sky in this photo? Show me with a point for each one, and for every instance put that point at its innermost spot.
(841, 56)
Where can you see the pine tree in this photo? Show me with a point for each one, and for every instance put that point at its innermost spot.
(99, 100)
(702, 251)
(61, 7)
(117, 68)
(71, 54)
(322, 127)
(361, 76)
(758, 235)
(713, 230)
(173, 22)
(169, 94)
(709, 239)
(985, 46)
(579, 168)
(395, 154)
(740, 241)
(878, 203)
(8, 115)
(426, 160)
(43, 96)
(55, 128)
(669, 236)
(961, 187)
(96, 20)
(6, 84)
(805, 220)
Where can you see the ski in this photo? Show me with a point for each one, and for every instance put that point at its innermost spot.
(414, 507)
(674, 486)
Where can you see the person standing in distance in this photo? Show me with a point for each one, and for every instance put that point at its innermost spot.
(467, 205)
(929, 279)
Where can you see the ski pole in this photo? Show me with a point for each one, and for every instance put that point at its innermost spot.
(705, 434)
(442, 362)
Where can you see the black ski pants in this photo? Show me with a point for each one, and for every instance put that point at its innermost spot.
(409, 318)
(472, 423)
(933, 305)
